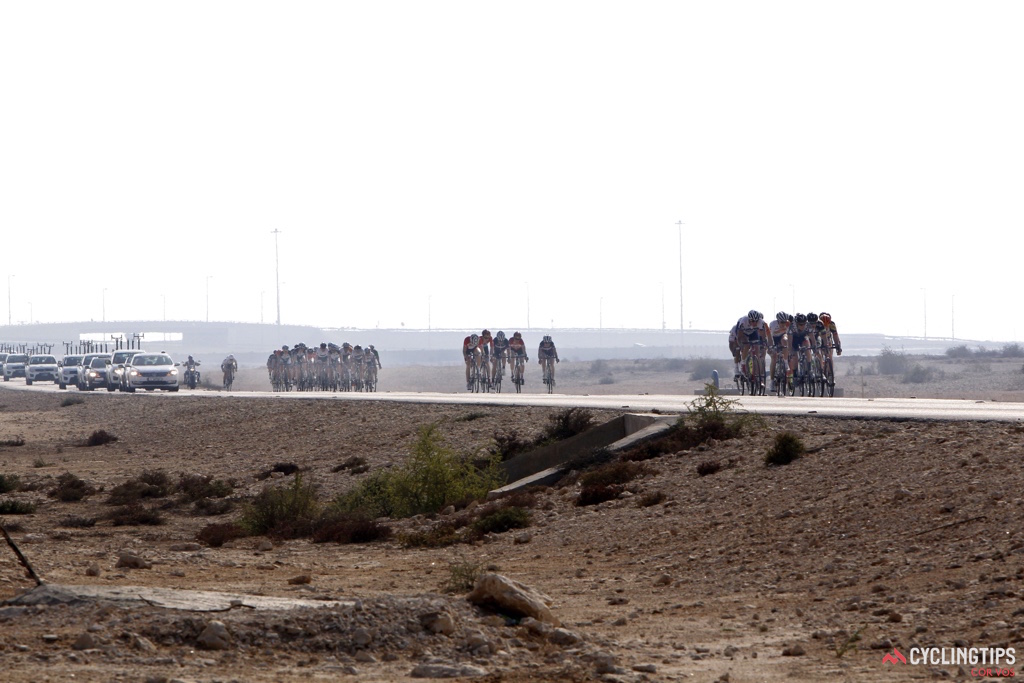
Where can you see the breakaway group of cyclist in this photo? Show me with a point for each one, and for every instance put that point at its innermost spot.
(328, 367)
(228, 366)
(486, 357)
(799, 347)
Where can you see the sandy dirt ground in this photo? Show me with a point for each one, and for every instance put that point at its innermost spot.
(887, 535)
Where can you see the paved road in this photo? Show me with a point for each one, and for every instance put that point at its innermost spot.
(908, 408)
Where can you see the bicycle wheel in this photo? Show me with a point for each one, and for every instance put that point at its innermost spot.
(757, 377)
(829, 382)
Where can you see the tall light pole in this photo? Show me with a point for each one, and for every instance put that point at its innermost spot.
(277, 273)
(9, 299)
(680, 224)
(261, 306)
(924, 298)
(164, 297)
(952, 317)
(527, 305)
(208, 297)
(662, 306)
(29, 312)
(104, 305)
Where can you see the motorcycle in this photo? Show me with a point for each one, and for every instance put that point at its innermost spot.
(192, 376)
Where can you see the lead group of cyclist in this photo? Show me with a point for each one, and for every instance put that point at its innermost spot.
(493, 353)
(813, 334)
(329, 367)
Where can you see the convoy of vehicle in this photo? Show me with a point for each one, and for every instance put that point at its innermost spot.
(121, 370)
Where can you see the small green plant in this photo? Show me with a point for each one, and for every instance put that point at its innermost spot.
(9, 482)
(787, 448)
(16, 441)
(70, 488)
(40, 462)
(462, 576)
(16, 507)
(193, 488)
(287, 512)
(71, 401)
(849, 643)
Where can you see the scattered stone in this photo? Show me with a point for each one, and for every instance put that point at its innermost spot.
(794, 651)
(663, 580)
(214, 637)
(438, 623)
(132, 561)
(361, 637)
(730, 651)
(50, 638)
(565, 637)
(92, 570)
(86, 641)
(512, 597)
(645, 668)
(522, 538)
(264, 545)
(300, 580)
(185, 547)
(142, 644)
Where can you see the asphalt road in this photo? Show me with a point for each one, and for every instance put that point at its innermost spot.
(900, 408)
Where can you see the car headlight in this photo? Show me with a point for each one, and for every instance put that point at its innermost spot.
(174, 372)
(134, 373)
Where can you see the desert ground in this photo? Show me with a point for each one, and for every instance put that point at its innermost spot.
(886, 535)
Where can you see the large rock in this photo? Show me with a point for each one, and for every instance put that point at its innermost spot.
(214, 637)
(512, 597)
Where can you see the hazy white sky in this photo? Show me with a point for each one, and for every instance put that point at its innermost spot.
(466, 164)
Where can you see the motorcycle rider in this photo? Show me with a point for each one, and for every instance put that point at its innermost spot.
(191, 366)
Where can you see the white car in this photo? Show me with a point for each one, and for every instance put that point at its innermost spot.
(115, 373)
(42, 368)
(14, 366)
(70, 366)
(151, 371)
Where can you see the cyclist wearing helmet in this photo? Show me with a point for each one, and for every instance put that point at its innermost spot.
(545, 353)
(376, 356)
(486, 341)
(801, 338)
(829, 335)
(499, 355)
(517, 350)
(470, 354)
(778, 329)
(748, 331)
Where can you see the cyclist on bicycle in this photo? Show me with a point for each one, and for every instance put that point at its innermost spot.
(376, 356)
(747, 331)
(229, 364)
(486, 342)
(517, 350)
(470, 354)
(500, 354)
(829, 334)
(801, 338)
(778, 329)
(545, 353)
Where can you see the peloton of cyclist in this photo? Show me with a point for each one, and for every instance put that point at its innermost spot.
(500, 354)
(747, 331)
(545, 353)
(778, 329)
(470, 354)
(801, 338)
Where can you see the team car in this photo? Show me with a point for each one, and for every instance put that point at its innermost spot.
(14, 366)
(151, 371)
(42, 368)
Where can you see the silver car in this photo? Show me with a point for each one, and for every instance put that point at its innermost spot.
(70, 366)
(95, 374)
(14, 366)
(151, 371)
(87, 360)
(42, 368)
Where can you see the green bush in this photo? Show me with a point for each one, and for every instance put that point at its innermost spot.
(598, 493)
(287, 512)
(338, 527)
(787, 448)
(462, 577)
(216, 535)
(135, 514)
(9, 482)
(567, 423)
(195, 487)
(501, 520)
(617, 472)
(16, 507)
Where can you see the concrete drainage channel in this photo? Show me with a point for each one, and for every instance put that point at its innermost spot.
(546, 465)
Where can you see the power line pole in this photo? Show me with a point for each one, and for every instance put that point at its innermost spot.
(681, 326)
(277, 273)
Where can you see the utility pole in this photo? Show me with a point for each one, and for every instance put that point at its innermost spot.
(208, 297)
(681, 326)
(277, 273)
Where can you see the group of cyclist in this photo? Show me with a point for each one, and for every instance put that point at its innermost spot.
(228, 366)
(328, 367)
(812, 335)
(486, 357)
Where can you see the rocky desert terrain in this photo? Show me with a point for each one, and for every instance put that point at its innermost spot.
(709, 566)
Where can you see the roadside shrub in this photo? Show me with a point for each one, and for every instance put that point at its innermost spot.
(71, 401)
(598, 367)
(372, 496)
(598, 493)
(135, 514)
(76, 522)
(195, 487)
(502, 520)
(149, 484)
(508, 445)
(285, 468)
(960, 351)
(9, 482)
(469, 417)
(567, 423)
(617, 472)
(607, 379)
(892, 362)
(216, 535)
(787, 448)
(15, 441)
(438, 536)
(701, 368)
(1013, 350)
(287, 512)
(16, 507)
(462, 577)
(99, 438)
(651, 499)
(708, 467)
(336, 527)
(70, 488)
(919, 374)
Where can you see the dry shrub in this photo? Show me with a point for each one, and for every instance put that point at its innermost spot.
(9, 482)
(355, 464)
(787, 448)
(149, 484)
(16, 507)
(284, 468)
(77, 522)
(338, 527)
(135, 514)
(216, 535)
(617, 472)
(213, 506)
(287, 512)
(195, 487)
(16, 441)
(71, 488)
(99, 438)
(438, 536)
(708, 467)
(567, 423)
(501, 520)
(598, 493)
(651, 499)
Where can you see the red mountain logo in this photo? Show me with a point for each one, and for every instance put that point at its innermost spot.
(894, 658)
